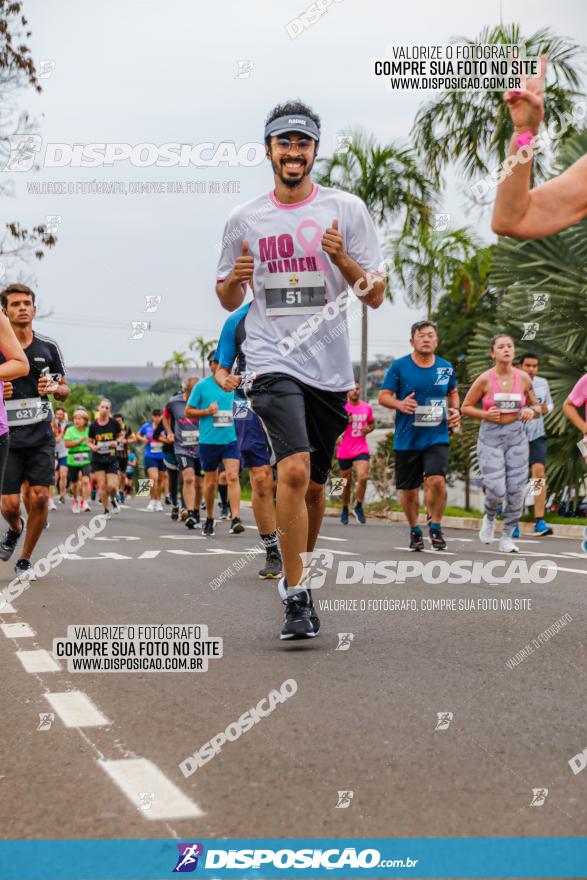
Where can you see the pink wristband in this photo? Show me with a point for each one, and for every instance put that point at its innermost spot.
(522, 140)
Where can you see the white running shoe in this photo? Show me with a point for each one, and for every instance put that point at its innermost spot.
(158, 506)
(85, 508)
(52, 505)
(506, 545)
(151, 505)
(75, 508)
(115, 507)
(487, 530)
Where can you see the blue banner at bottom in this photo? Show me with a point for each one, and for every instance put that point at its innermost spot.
(514, 857)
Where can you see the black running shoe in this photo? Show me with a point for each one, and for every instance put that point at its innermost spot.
(175, 513)
(208, 527)
(9, 542)
(273, 566)
(191, 522)
(168, 501)
(24, 570)
(314, 617)
(437, 539)
(236, 527)
(297, 620)
(416, 541)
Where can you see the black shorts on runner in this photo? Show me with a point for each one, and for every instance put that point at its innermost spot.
(537, 451)
(300, 418)
(412, 465)
(346, 463)
(108, 465)
(33, 463)
(188, 461)
(74, 472)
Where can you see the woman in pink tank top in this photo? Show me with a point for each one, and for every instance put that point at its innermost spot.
(507, 401)
(14, 366)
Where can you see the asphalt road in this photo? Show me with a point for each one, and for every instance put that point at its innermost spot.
(364, 719)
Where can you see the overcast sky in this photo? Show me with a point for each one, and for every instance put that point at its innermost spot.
(148, 71)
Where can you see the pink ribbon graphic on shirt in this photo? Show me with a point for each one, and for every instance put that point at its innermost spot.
(310, 247)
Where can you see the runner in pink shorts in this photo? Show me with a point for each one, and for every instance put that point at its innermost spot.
(352, 453)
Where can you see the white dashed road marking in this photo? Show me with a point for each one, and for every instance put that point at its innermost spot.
(149, 554)
(135, 775)
(7, 608)
(38, 661)
(17, 630)
(77, 710)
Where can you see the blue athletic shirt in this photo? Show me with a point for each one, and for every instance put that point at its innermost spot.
(229, 347)
(205, 392)
(153, 448)
(431, 385)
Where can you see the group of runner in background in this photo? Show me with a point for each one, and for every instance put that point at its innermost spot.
(282, 402)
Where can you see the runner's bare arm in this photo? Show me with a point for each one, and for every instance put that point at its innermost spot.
(231, 290)
(559, 203)
(473, 396)
(16, 363)
(555, 205)
(572, 414)
(368, 286)
(454, 412)
(227, 380)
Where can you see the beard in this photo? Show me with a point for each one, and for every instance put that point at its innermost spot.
(287, 181)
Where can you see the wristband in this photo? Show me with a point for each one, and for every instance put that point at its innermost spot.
(524, 138)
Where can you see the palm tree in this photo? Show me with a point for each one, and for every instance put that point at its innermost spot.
(474, 128)
(388, 180)
(426, 262)
(179, 362)
(555, 266)
(203, 347)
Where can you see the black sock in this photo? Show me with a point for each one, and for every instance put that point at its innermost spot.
(270, 542)
(358, 503)
(223, 492)
(191, 512)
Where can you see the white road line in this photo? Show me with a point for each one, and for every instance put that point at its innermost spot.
(183, 537)
(75, 557)
(38, 661)
(336, 552)
(211, 552)
(328, 538)
(17, 630)
(7, 608)
(135, 775)
(149, 554)
(76, 709)
(434, 552)
(528, 554)
(572, 570)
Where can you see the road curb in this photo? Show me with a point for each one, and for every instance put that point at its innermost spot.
(471, 523)
(462, 522)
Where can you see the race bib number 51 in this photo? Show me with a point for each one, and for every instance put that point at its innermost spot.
(295, 293)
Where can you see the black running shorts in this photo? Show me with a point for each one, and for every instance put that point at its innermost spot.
(412, 465)
(33, 463)
(299, 418)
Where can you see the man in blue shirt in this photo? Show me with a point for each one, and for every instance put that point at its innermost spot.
(254, 452)
(214, 409)
(422, 389)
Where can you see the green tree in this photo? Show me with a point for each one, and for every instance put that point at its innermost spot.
(202, 347)
(474, 129)
(117, 392)
(426, 261)
(167, 386)
(179, 363)
(547, 272)
(81, 396)
(17, 73)
(388, 179)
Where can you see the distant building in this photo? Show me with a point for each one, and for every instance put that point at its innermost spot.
(142, 377)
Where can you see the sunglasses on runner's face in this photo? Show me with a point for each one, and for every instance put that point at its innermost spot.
(303, 145)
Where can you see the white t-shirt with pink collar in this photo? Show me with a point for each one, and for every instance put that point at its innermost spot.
(294, 279)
